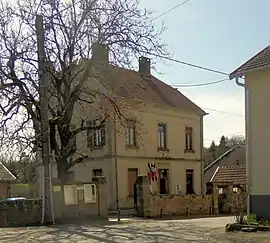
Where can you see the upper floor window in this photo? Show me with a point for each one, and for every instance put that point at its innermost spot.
(189, 139)
(162, 135)
(131, 133)
(96, 134)
(97, 172)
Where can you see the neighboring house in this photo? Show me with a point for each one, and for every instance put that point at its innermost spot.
(6, 178)
(226, 181)
(234, 156)
(229, 175)
(256, 74)
(163, 126)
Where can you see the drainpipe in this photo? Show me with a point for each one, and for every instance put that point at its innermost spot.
(116, 170)
(201, 156)
(248, 137)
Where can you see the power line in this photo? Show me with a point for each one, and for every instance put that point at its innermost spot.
(170, 10)
(201, 84)
(221, 111)
(187, 63)
(164, 57)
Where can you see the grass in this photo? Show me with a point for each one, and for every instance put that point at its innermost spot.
(253, 219)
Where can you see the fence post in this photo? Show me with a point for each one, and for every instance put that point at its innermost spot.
(187, 212)
(161, 213)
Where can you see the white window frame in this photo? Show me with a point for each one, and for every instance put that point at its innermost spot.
(67, 194)
(162, 135)
(131, 133)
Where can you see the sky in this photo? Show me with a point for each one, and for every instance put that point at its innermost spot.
(219, 35)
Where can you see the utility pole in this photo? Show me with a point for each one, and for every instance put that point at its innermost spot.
(47, 211)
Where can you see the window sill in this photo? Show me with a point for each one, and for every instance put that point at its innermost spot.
(97, 147)
(162, 149)
(131, 146)
(189, 151)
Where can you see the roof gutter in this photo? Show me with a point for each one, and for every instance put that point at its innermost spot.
(239, 83)
(248, 138)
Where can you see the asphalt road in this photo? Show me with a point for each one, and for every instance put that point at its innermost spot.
(192, 230)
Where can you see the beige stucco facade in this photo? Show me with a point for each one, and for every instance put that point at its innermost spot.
(115, 155)
(258, 87)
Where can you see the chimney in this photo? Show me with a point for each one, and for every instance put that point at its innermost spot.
(145, 66)
(100, 54)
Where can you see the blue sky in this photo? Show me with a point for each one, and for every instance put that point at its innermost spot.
(216, 34)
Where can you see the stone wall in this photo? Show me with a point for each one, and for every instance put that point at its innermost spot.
(20, 213)
(179, 205)
(152, 204)
(81, 209)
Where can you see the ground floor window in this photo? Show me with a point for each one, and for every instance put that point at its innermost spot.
(189, 181)
(163, 181)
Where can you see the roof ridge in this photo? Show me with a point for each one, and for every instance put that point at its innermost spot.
(221, 157)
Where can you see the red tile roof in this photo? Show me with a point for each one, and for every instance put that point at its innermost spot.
(234, 174)
(260, 60)
(147, 89)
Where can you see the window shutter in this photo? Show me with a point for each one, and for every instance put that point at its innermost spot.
(89, 193)
(70, 194)
(103, 134)
(89, 136)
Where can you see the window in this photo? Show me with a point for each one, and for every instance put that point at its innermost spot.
(163, 181)
(220, 190)
(235, 189)
(97, 172)
(131, 133)
(132, 177)
(70, 194)
(189, 139)
(189, 182)
(90, 193)
(162, 136)
(96, 136)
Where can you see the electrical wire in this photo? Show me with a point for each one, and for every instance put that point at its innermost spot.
(186, 63)
(200, 84)
(170, 10)
(221, 111)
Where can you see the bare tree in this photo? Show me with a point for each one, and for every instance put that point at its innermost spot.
(71, 29)
(239, 203)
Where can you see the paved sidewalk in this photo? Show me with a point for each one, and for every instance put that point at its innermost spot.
(205, 230)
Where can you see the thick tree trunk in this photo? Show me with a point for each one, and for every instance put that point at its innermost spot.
(64, 175)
